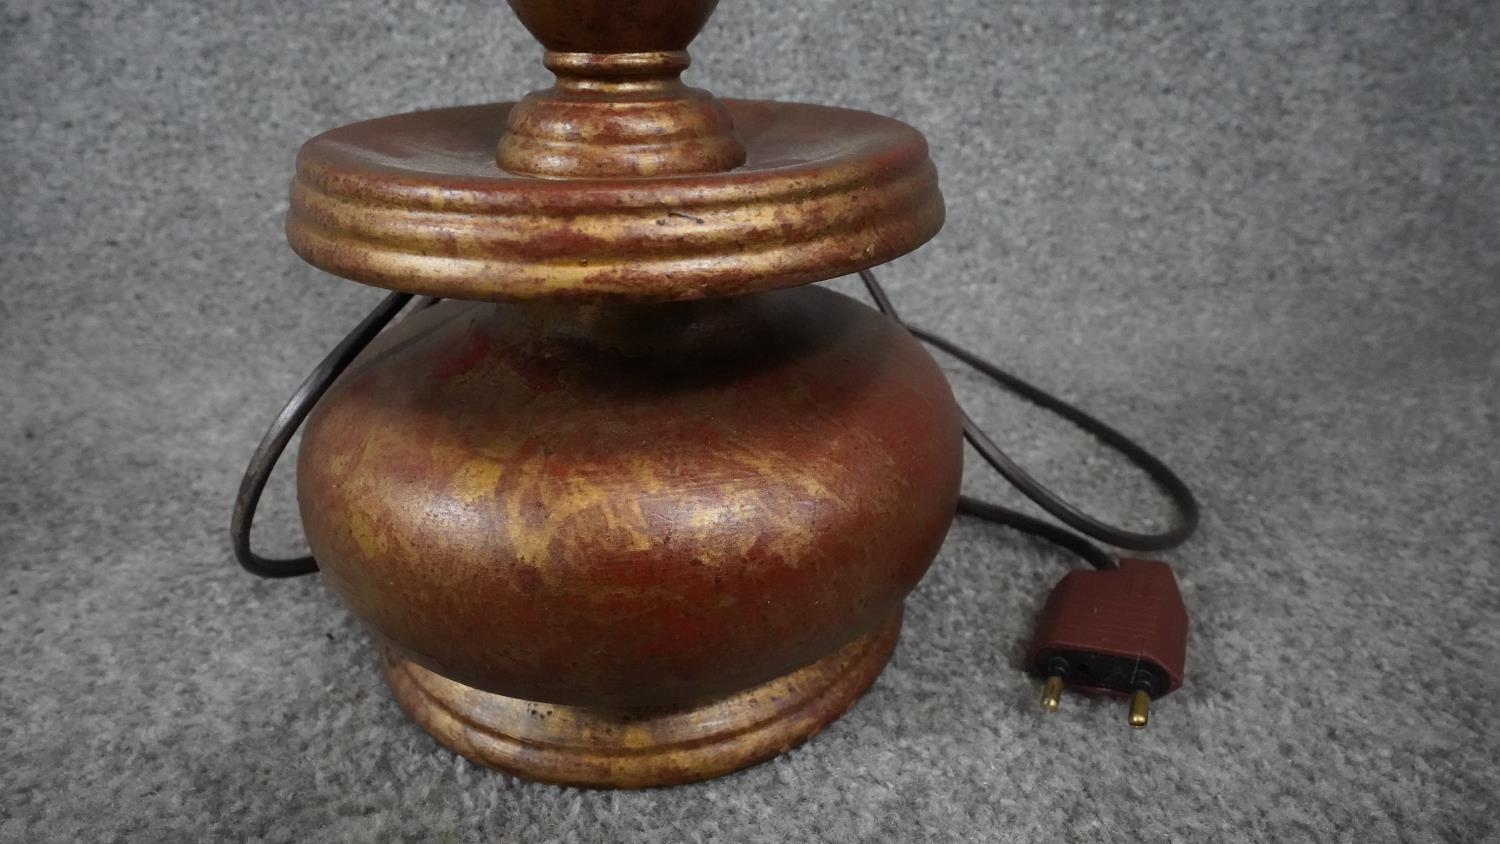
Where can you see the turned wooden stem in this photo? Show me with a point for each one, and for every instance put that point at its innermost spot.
(614, 26)
(618, 108)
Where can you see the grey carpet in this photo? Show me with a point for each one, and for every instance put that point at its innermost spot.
(1261, 235)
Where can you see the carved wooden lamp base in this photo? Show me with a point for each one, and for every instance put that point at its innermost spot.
(642, 509)
(642, 747)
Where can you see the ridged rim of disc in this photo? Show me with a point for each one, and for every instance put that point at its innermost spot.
(415, 202)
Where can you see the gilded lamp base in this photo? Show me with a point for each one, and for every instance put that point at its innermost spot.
(642, 748)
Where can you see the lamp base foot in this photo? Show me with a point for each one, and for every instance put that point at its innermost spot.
(642, 748)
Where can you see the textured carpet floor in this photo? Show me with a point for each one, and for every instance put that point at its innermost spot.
(1261, 235)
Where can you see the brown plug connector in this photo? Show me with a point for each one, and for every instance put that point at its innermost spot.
(1120, 632)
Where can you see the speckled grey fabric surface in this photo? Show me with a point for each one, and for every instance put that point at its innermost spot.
(1260, 235)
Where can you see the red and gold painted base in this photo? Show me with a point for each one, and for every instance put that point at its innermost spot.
(640, 748)
(634, 506)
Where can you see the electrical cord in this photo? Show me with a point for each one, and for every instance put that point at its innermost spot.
(1178, 492)
(281, 431)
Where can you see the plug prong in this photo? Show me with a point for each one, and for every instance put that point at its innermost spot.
(1052, 693)
(1140, 704)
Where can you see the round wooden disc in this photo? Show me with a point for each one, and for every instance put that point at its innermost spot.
(416, 202)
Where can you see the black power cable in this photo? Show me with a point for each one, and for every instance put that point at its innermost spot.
(1176, 490)
(328, 370)
(280, 433)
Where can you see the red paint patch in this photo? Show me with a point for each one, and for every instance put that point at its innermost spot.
(467, 356)
(538, 372)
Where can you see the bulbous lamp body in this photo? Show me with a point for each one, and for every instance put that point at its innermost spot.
(631, 506)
